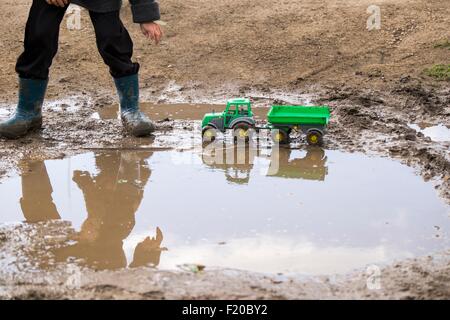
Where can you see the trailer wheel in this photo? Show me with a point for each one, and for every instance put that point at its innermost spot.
(209, 134)
(280, 136)
(242, 132)
(314, 138)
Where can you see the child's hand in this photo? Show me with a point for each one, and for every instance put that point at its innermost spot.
(152, 31)
(58, 3)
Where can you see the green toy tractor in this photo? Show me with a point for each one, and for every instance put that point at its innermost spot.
(281, 120)
(237, 116)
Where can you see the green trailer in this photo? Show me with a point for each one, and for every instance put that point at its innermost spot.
(312, 121)
(281, 120)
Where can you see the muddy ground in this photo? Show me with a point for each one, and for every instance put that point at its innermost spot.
(289, 52)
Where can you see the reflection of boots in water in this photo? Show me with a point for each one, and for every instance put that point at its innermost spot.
(37, 202)
(112, 199)
(148, 252)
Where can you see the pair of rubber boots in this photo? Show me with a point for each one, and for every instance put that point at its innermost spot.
(28, 115)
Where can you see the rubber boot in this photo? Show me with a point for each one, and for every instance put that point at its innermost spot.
(134, 121)
(28, 115)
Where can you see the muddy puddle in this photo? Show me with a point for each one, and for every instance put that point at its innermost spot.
(173, 111)
(309, 211)
(439, 133)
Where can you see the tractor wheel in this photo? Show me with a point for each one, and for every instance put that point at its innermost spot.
(209, 134)
(242, 132)
(314, 138)
(280, 136)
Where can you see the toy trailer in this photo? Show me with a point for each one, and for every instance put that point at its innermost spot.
(312, 121)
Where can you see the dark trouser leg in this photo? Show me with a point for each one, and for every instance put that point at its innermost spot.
(40, 46)
(116, 49)
(114, 43)
(41, 40)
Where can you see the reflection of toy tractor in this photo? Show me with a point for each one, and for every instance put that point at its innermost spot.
(311, 167)
(282, 120)
(237, 167)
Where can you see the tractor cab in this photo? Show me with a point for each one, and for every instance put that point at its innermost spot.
(237, 108)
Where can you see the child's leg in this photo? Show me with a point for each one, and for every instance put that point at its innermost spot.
(41, 44)
(41, 40)
(116, 49)
(114, 43)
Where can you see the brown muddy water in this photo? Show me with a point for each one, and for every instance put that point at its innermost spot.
(309, 211)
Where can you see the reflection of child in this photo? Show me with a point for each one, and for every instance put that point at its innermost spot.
(112, 198)
(148, 252)
(37, 202)
(114, 44)
(101, 255)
